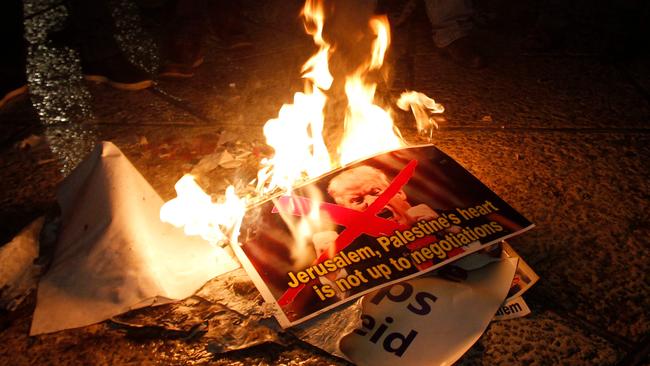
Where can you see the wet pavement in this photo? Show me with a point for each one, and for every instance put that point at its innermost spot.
(562, 136)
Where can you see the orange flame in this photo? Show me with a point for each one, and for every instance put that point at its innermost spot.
(369, 128)
(194, 210)
(296, 134)
(316, 68)
(296, 137)
(380, 27)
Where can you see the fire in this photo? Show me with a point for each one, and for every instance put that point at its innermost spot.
(381, 28)
(194, 210)
(317, 67)
(296, 135)
(368, 128)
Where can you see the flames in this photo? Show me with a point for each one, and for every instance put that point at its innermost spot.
(296, 135)
(368, 128)
(194, 210)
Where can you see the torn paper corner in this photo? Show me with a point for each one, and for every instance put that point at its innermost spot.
(113, 253)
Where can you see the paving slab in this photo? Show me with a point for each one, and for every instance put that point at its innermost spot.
(28, 183)
(539, 92)
(516, 91)
(555, 90)
(543, 338)
(112, 106)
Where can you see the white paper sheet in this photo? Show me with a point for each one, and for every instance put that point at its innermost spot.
(428, 320)
(113, 253)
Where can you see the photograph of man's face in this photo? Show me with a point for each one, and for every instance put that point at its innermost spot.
(359, 187)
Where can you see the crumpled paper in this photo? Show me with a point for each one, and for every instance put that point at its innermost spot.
(220, 328)
(113, 253)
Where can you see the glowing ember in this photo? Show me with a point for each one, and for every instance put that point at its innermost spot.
(296, 137)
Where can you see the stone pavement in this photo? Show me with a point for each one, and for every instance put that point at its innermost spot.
(562, 136)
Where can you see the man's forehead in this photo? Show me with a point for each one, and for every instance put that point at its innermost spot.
(359, 184)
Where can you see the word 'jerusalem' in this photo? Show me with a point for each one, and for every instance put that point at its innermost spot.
(341, 260)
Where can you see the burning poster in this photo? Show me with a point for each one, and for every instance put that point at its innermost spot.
(368, 225)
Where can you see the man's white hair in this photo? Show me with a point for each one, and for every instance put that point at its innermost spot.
(339, 183)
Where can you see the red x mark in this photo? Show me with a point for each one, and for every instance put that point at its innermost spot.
(355, 222)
